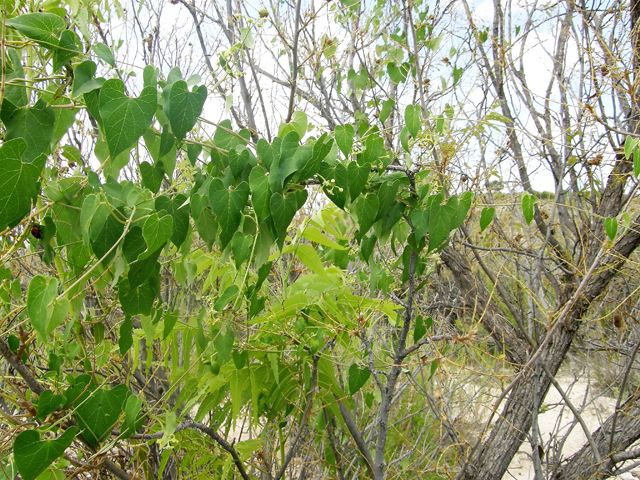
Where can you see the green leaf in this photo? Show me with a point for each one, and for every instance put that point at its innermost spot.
(207, 227)
(630, 144)
(98, 412)
(125, 119)
(463, 209)
(103, 239)
(420, 328)
(184, 107)
(636, 163)
(43, 28)
(67, 49)
(246, 38)
(241, 248)
(32, 456)
(34, 124)
(240, 358)
(260, 193)
(338, 191)
(40, 294)
(357, 177)
(132, 421)
(412, 119)
(357, 378)
(48, 403)
(441, 217)
(344, 138)
(83, 80)
(103, 52)
(367, 209)
(404, 139)
(138, 300)
(486, 217)
(152, 175)
(224, 343)
(366, 247)
(228, 205)
(398, 74)
(282, 212)
(440, 124)
(528, 201)
(309, 257)
(126, 335)
(224, 299)
(314, 235)
(170, 320)
(299, 122)
(19, 182)
(420, 221)
(156, 231)
(611, 227)
(179, 211)
(387, 197)
(387, 106)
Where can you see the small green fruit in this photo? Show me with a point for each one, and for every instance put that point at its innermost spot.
(214, 367)
(263, 13)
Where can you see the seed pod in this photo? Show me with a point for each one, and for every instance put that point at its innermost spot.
(617, 321)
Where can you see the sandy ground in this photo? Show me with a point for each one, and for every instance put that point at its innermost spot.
(555, 422)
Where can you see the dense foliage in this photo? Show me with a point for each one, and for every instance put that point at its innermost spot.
(186, 297)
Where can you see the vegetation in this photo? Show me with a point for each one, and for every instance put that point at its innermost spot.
(301, 240)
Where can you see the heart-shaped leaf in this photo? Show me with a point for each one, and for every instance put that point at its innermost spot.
(68, 48)
(43, 28)
(156, 231)
(237, 163)
(83, 80)
(224, 343)
(179, 212)
(367, 209)
(260, 193)
(240, 359)
(184, 107)
(241, 248)
(138, 300)
(366, 247)
(412, 119)
(441, 218)
(98, 412)
(152, 175)
(338, 190)
(486, 216)
(420, 221)
(19, 185)
(358, 176)
(32, 456)
(282, 212)
(344, 138)
(33, 124)
(106, 237)
(125, 119)
(224, 299)
(40, 294)
(387, 196)
(228, 205)
(357, 378)
(48, 403)
(126, 335)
